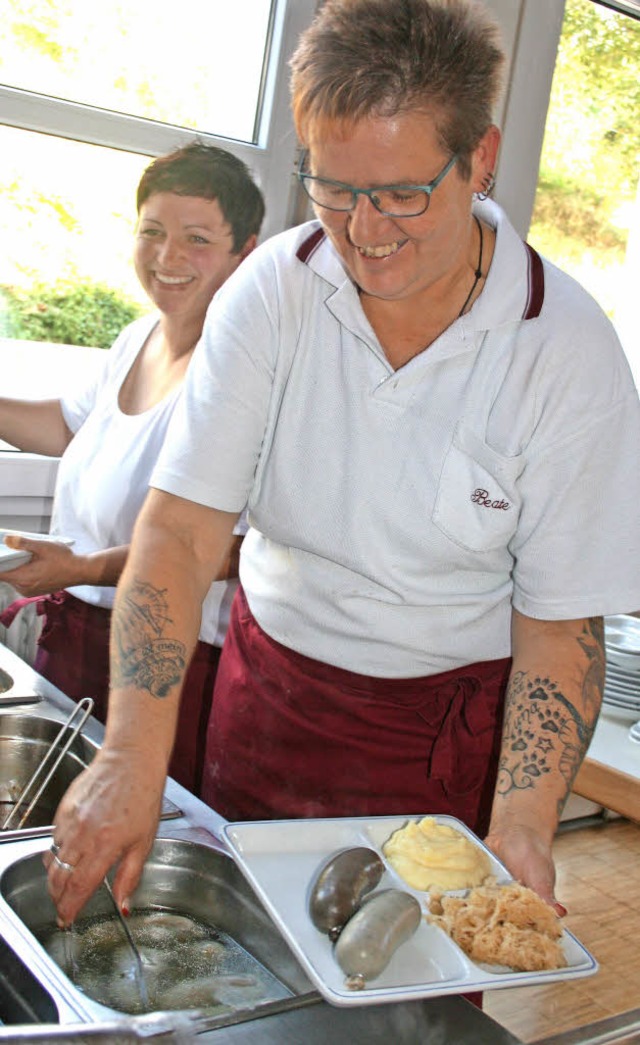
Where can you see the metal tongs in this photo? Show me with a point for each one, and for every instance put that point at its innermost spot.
(56, 753)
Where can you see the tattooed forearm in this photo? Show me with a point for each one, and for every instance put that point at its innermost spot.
(592, 642)
(145, 656)
(544, 731)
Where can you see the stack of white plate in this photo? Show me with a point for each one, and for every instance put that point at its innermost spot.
(622, 679)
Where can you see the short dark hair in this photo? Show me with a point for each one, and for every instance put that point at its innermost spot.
(363, 58)
(210, 173)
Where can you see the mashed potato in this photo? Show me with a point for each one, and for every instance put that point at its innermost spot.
(429, 855)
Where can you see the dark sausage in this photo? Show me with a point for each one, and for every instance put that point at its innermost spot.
(339, 886)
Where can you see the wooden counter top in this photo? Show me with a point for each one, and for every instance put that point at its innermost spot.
(609, 788)
(610, 774)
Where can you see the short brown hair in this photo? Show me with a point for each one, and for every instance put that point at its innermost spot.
(382, 57)
(210, 173)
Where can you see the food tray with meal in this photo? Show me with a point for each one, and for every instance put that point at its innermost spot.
(397, 908)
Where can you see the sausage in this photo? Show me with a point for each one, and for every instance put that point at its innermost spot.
(339, 886)
(372, 936)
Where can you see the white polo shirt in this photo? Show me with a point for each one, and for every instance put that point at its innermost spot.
(396, 516)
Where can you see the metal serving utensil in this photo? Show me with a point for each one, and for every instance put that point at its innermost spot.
(57, 750)
(138, 960)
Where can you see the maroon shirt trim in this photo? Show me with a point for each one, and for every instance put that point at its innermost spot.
(306, 249)
(535, 297)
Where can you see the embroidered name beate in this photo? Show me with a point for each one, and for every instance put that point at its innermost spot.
(482, 497)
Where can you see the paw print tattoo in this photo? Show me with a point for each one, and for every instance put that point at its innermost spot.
(543, 731)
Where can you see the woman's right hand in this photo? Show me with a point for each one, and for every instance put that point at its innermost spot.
(109, 815)
(53, 566)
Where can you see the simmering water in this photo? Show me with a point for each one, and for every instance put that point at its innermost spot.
(187, 964)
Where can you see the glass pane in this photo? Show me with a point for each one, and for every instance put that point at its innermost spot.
(587, 208)
(67, 211)
(67, 215)
(67, 218)
(195, 64)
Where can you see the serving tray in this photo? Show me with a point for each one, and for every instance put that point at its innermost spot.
(11, 558)
(280, 859)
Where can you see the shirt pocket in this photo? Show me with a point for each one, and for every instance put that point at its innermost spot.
(477, 501)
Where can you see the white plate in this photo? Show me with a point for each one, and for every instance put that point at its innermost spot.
(618, 714)
(622, 689)
(622, 632)
(614, 683)
(623, 676)
(612, 692)
(625, 695)
(280, 858)
(628, 662)
(11, 558)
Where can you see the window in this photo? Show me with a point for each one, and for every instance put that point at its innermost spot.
(586, 216)
(90, 92)
(201, 70)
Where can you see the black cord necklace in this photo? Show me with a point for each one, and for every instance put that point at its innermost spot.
(478, 272)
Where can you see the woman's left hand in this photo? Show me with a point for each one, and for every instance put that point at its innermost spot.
(53, 566)
(528, 857)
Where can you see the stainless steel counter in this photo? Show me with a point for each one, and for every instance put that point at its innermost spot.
(57, 1015)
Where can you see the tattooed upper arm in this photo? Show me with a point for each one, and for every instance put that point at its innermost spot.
(592, 642)
(146, 655)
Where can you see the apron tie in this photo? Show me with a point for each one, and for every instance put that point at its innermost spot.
(11, 611)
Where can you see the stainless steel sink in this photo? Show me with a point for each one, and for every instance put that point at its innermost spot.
(23, 999)
(183, 881)
(25, 739)
(189, 874)
(16, 682)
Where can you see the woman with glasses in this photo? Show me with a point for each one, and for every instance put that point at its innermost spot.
(424, 436)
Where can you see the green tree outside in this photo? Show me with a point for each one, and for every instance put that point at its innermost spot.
(590, 159)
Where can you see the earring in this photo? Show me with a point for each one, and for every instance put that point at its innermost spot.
(488, 183)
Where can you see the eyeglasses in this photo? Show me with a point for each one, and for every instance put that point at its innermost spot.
(394, 201)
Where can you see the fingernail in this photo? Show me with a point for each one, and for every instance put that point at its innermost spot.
(560, 909)
(126, 910)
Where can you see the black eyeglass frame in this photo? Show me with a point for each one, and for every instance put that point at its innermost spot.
(304, 178)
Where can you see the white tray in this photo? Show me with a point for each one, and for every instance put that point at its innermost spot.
(280, 858)
(11, 558)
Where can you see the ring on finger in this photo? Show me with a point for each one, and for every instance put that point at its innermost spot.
(69, 868)
(54, 848)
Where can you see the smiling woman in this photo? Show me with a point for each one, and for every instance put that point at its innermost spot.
(183, 253)
(391, 618)
(199, 216)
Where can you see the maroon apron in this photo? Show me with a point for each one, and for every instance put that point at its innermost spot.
(290, 736)
(73, 654)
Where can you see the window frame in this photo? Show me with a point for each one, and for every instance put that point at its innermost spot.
(27, 481)
(271, 159)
